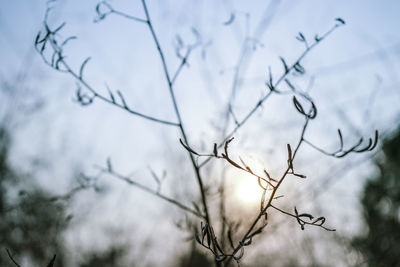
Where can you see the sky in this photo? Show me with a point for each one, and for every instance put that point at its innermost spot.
(352, 76)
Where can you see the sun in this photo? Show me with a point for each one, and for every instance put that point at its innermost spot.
(247, 190)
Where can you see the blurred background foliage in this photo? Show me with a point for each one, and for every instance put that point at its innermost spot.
(31, 225)
(380, 200)
(33, 222)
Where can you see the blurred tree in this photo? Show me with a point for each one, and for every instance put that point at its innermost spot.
(194, 258)
(380, 245)
(30, 224)
(112, 256)
(6, 174)
(33, 221)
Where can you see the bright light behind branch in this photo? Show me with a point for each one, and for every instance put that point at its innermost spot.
(248, 190)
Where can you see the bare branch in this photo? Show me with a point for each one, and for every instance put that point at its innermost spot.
(52, 261)
(263, 211)
(341, 152)
(317, 222)
(178, 115)
(101, 14)
(226, 157)
(275, 85)
(12, 259)
(152, 191)
(58, 61)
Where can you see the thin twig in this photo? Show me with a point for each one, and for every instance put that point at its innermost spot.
(302, 221)
(128, 16)
(245, 56)
(105, 99)
(60, 61)
(178, 115)
(181, 65)
(341, 152)
(275, 85)
(152, 191)
(12, 259)
(275, 189)
(226, 157)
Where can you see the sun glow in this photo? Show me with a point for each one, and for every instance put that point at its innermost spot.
(248, 190)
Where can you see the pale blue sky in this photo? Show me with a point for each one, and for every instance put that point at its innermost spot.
(355, 70)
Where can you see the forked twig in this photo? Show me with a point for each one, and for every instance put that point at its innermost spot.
(273, 87)
(57, 61)
(341, 152)
(156, 193)
(178, 115)
(268, 180)
(317, 222)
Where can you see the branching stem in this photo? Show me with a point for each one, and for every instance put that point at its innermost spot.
(153, 192)
(178, 115)
(267, 95)
(272, 196)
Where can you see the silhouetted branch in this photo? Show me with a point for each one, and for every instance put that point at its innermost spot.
(58, 63)
(263, 211)
(178, 115)
(152, 191)
(102, 14)
(52, 261)
(226, 157)
(11, 258)
(341, 152)
(272, 87)
(317, 222)
(182, 64)
(111, 10)
(209, 241)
